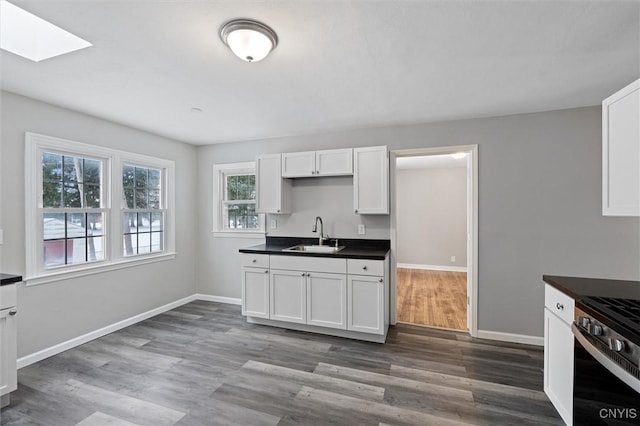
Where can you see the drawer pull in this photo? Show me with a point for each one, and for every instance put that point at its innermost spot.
(559, 306)
(266, 271)
(12, 312)
(364, 268)
(304, 275)
(254, 260)
(380, 280)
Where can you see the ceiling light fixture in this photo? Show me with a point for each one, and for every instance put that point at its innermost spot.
(249, 40)
(459, 155)
(27, 35)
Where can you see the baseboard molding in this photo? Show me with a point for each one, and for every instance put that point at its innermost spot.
(219, 299)
(77, 341)
(432, 267)
(509, 337)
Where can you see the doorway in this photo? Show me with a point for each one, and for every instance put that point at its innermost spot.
(434, 237)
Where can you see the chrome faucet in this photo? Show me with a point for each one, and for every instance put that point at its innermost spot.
(315, 229)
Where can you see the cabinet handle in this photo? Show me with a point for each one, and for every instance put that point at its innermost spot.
(380, 280)
(266, 271)
(317, 172)
(304, 275)
(559, 306)
(356, 210)
(278, 210)
(12, 312)
(254, 260)
(364, 268)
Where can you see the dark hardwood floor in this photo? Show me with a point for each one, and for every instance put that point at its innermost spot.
(202, 364)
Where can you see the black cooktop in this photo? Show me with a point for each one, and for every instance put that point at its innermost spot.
(621, 315)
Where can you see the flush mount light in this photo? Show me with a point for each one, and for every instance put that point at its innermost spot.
(249, 40)
(459, 155)
(27, 35)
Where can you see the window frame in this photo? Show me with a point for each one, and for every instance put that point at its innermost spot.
(220, 173)
(111, 207)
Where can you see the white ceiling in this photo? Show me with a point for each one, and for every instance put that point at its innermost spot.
(338, 65)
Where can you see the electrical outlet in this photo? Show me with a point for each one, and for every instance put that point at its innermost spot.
(453, 258)
(361, 229)
(274, 224)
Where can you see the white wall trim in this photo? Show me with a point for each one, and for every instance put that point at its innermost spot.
(219, 299)
(92, 335)
(510, 337)
(77, 341)
(432, 267)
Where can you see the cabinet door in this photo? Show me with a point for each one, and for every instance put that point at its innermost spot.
(621, 152)
(334, 162)
(371, 180)
(288, 294)
(365, 304)
(327, 300)
(270, 197)
(299, 164)
(255, 292)
(558, 364)
(8, 352)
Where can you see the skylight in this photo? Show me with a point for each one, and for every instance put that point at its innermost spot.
(31, 37)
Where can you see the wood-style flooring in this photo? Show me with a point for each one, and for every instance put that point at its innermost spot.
(432, 298)
(203, 364)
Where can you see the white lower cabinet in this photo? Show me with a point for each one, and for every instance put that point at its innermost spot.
(558, 352)
(8, 342)
(327, 300)
(365, 301)
(288, 296)
(255, 292)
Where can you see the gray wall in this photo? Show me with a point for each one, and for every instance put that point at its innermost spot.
(432, 216)
(55, 312)
(539, 206)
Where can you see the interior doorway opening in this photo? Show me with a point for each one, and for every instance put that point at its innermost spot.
(434, 240)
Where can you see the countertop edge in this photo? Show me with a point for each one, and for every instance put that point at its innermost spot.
(6, 279)
(279, 252)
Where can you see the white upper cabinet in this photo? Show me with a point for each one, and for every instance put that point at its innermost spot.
(621, 152)
(371, 180)
(271, 190)
(333, 162)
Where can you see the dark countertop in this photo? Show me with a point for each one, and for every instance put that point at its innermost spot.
(577, 287)
(586, 291)
(354, 248)
(6, 279)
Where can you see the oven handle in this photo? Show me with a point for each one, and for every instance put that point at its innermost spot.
(604, 360)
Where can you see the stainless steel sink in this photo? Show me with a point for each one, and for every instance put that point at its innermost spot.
(314, 249)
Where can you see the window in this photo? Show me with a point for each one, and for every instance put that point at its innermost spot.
(143, 216)
(91, 208)
(235, 197)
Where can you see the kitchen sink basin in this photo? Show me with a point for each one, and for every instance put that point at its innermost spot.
(314, 249)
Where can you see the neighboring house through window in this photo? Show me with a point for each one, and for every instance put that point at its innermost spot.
(91, 208)
(235, 199)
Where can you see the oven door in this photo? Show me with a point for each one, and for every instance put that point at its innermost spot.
(604, 393)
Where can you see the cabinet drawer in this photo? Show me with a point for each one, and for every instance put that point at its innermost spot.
(365, 267)
(309, 264)
(8, 296)
(256, 260)
(559, 303)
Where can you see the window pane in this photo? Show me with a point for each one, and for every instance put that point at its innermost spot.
(144, 222)
(54, 253)
(154, 179)
(141, 201)
(91, 172)
(94, 224)
(252, 187)
(71, 195)
(141, 177)
(241, 216)
(76, 225)
(144, 242)
(51, 194)
(70, 166)
(128, 197)
(53, 226)
(154, 199)
(95, 249)
(156, 241)
(91, 195)
(156, 222)
(128, 173)
(51, 166)
(130, 223)
(232, 187)
(76, 250)
(130, 242)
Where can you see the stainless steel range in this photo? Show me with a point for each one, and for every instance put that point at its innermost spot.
(607, 362)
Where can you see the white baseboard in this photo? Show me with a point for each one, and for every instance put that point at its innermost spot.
(509, 337)
(432, 267)
(219, 299)
(77, 341)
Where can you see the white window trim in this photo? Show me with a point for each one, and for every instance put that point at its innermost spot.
(112, 192)
(219, 171)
